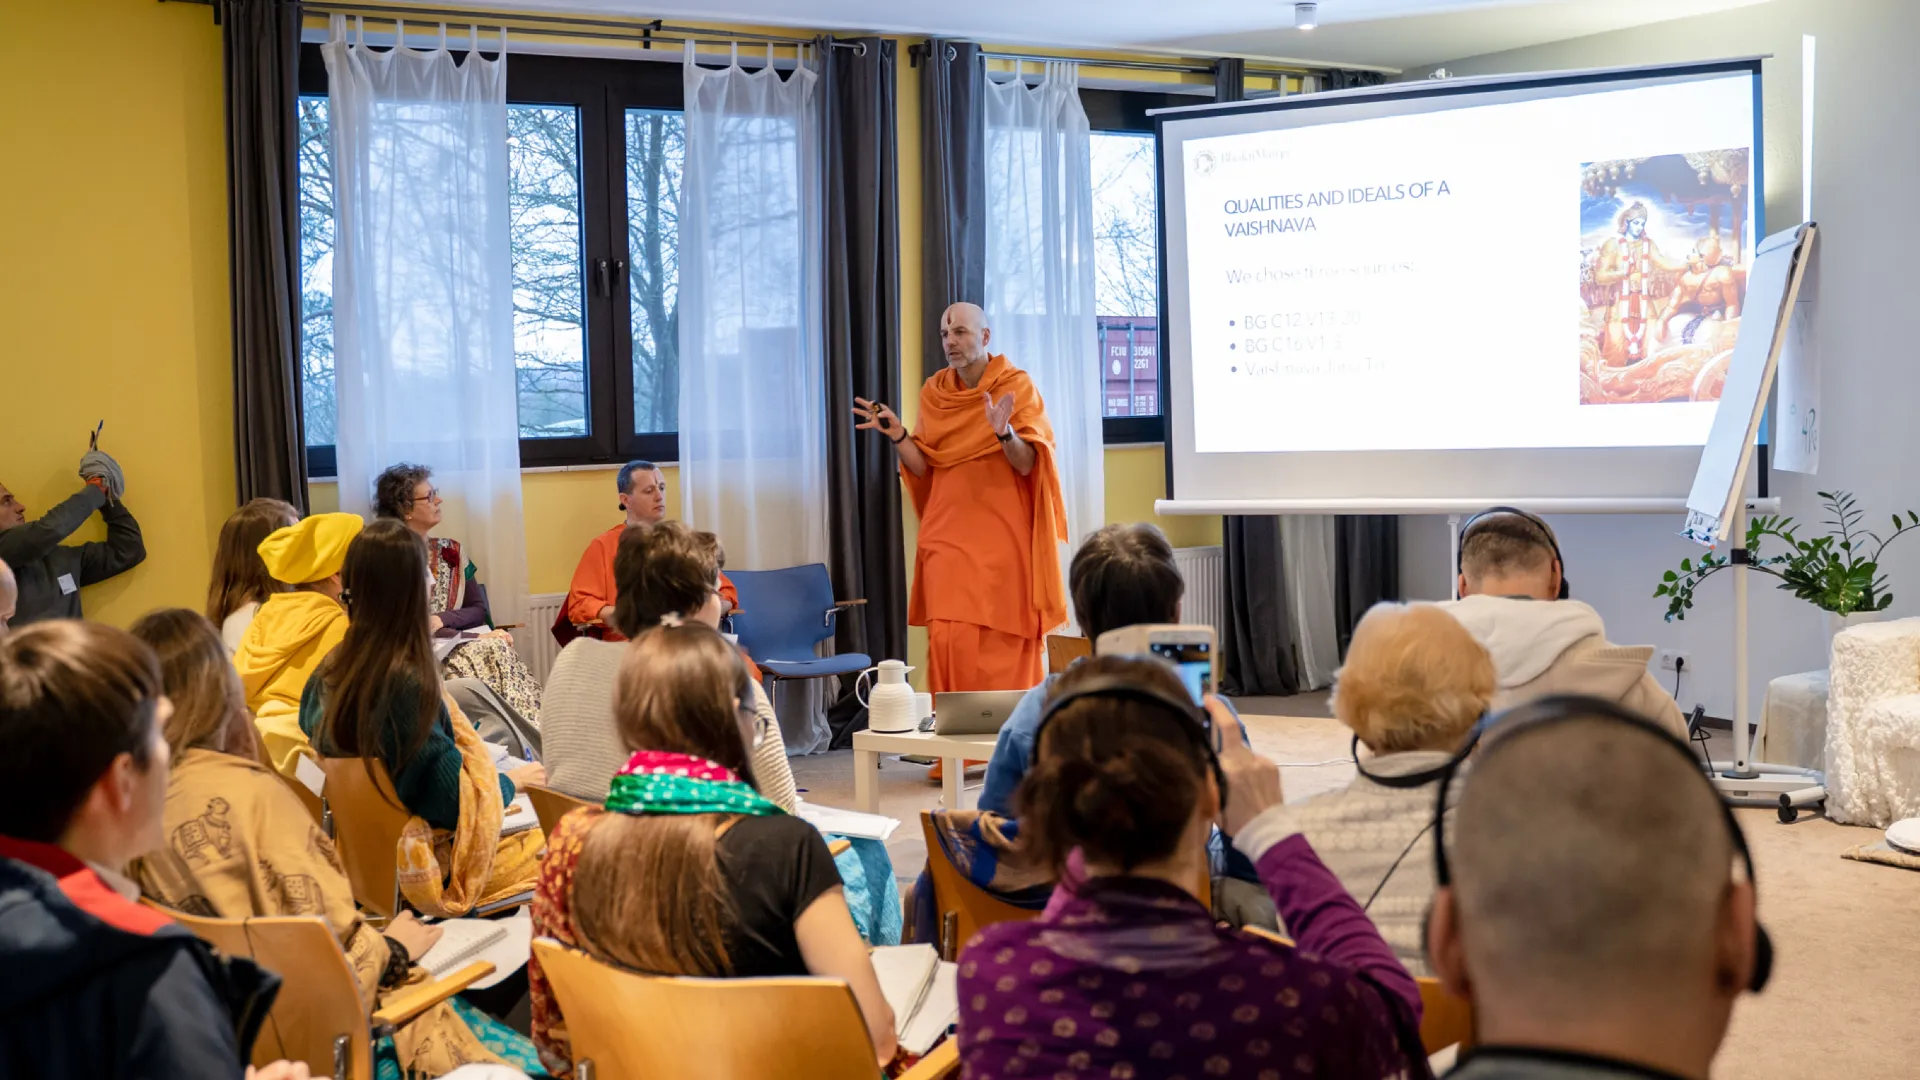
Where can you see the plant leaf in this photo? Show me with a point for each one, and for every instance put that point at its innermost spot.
(1670, 576)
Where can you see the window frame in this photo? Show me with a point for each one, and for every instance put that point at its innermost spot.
(1125, 111)
(602, 90)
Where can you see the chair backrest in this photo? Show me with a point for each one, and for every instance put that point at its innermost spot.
(723, 1029)
(964, 908)
(550, 805)
(1063, 650)
(314, 804)
(1445, 1020)
(783, 613)
(367, 821)
(319, 1001)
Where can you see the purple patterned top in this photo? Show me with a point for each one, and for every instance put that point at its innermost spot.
(1130, 977)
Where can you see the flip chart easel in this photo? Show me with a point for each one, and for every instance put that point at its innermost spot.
(1717, 507)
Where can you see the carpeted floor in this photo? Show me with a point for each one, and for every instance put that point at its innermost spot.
(1846, 984)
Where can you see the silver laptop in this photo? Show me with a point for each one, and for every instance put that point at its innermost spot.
(973, 712)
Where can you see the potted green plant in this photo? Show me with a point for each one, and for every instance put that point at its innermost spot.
(1838, 573)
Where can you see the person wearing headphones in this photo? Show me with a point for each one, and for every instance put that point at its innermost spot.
(1514, 598)
(1590, 915)
(1126, 974)
(1413, 691)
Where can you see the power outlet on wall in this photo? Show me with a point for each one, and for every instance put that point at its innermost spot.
(1674, 660)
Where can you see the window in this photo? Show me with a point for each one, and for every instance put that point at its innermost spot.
(1126, 277)
(595, 151)
(1126, 248)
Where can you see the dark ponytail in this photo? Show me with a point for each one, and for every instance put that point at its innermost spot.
(1117, 777)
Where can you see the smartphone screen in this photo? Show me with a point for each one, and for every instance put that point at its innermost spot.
(1193, 660)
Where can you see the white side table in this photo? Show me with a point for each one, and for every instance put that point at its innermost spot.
(1793, 721)
(952, 750)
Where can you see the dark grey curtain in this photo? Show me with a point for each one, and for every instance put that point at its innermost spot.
(863, 355)
(1366, 567)
(261, 39)
(953, 238)
(1342, 79)
(1259, 644)
(1229, 79)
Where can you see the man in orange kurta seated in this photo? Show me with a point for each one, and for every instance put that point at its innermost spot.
(982, 477)
(643, 498)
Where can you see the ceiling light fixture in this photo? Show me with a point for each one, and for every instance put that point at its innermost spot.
(1306, 16)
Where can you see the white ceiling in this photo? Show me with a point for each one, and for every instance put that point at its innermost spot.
(1395, 34)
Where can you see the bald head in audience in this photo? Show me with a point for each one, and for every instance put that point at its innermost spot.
(9, 595)
(1594, 909)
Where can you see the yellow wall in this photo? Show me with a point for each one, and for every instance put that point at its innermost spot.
(126, 288)
(113, 276)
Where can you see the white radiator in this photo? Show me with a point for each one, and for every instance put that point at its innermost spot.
(535, 640)
(1205, 572)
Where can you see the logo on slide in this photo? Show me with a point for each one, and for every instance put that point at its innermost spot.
(1203, 163)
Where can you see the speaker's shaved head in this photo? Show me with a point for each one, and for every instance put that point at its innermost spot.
(1589, 861)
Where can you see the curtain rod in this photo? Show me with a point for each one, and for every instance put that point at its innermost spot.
(646, 34)
(916, 53)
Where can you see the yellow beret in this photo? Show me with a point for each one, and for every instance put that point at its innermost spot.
(315, 548)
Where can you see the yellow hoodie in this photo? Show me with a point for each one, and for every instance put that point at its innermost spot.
(289, 637)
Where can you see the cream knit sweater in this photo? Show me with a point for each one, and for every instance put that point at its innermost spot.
(1359, 832)
(581, 748)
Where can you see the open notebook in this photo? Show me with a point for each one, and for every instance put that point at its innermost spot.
(923, 991)
(506, 942)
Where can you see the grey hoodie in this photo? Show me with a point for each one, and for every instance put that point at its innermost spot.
(1544, 647)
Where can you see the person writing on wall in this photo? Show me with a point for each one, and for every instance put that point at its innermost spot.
(982, 476)
(50, 574)
(591, 596)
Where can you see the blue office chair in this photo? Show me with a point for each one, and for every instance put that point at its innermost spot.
(783, 614)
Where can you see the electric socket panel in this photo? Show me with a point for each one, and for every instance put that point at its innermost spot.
(1674, 660)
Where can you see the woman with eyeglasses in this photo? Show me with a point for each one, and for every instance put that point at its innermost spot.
(379, 695)
(665, 573)
(1127, 974)
(406, 494)
(688, 869)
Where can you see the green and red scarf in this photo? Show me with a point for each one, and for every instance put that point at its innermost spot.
(657, 782)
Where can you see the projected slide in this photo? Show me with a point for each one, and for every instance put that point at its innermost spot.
(1559, 272)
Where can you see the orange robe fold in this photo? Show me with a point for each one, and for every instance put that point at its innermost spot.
(986, 579)
(593, 588)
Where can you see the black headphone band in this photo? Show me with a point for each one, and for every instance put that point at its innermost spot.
(1424, 776)
(1196, 723)
(1538, 522)
(1566, 708)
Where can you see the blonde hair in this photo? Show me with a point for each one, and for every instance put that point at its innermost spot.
(1415, 679)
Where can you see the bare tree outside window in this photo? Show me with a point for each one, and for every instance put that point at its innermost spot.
(656, 160)
(546, 226)
(1126, 271)
(315, 160)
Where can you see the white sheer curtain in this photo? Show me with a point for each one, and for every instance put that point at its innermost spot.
(1040, 291)
(753, 456)
(1307, 564)
(423, 289)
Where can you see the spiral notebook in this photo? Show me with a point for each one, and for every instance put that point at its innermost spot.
(505, 942)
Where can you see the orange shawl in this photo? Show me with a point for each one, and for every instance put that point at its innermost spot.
(954, 429)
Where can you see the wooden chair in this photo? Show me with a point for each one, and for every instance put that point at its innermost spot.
(550, 805)
(1063, 650)
(965, 908)
(1445, 1020)
(318, 1017)
(367, 821)
(316, 804)
(746, 1029)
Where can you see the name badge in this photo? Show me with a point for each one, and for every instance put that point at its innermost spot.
(67, 587)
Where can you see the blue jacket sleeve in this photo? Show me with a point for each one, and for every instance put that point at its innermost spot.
(1013, 753)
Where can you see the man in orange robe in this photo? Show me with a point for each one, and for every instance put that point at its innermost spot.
(982, 476)
(643, 498)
